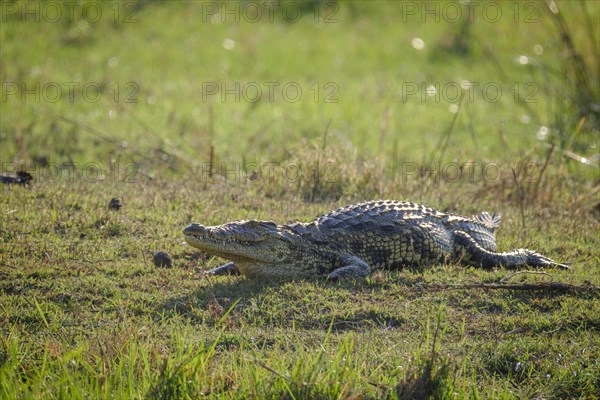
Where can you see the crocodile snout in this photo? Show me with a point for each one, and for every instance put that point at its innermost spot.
(194, 229)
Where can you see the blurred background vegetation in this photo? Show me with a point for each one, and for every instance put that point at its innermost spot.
(357, 91)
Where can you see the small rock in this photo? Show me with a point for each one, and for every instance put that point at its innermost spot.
(115, 204)
(162, 259)
(21, 178)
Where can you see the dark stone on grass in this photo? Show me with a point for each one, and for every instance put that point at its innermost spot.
(21, 178)
(162, 259)
(115, 204)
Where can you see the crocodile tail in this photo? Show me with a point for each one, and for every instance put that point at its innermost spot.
(479, 256)
(492, 222)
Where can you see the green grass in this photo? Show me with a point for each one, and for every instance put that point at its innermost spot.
(85, 314)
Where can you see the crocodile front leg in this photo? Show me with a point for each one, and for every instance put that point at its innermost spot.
(225, 269)
(354, 267)
(479, 256)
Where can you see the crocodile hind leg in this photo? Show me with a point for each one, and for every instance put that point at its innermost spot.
(479, 256)
(225, 269)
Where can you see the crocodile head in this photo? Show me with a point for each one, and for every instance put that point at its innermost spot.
(256, 247)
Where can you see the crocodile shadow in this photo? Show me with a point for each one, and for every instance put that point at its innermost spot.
(220, 294)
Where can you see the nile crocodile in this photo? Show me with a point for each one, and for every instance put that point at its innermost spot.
(355, 240)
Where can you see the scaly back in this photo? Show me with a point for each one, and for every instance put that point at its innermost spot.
(382, 214)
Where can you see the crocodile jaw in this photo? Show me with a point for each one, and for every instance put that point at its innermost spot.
(225, 243)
